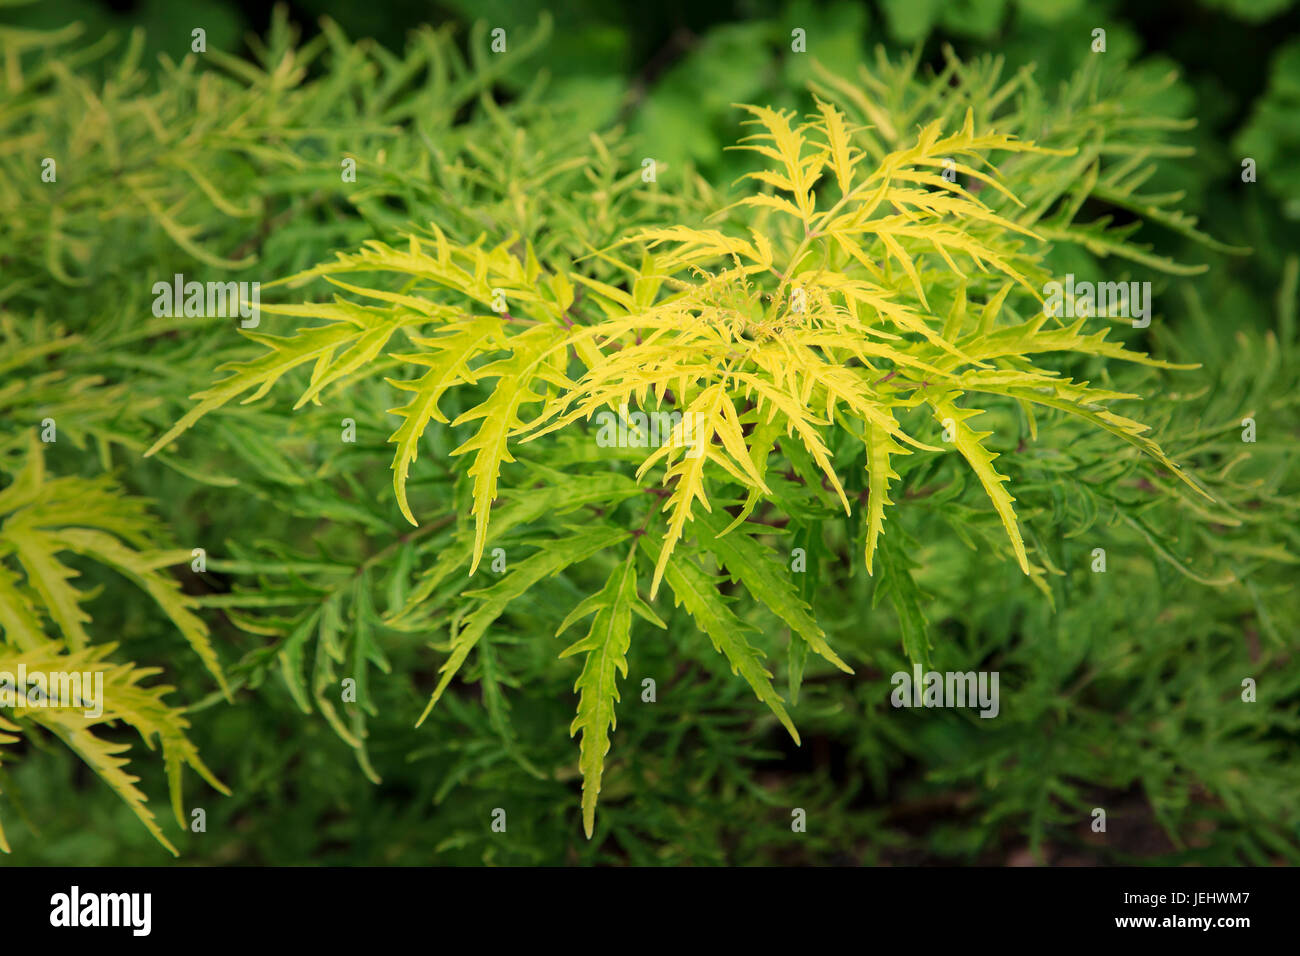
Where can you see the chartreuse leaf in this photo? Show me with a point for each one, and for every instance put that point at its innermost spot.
(50, 579)
(762, 439)
(448, 361)
(1079, 400)
(698, 592)
(969, 444)
(144, 568)
(713, 415)
(531, 360)
(798, 172)
(122, 699)
(361, 332)
(840, 151)
(490, 603)
(747, 561)
(606, 646)
(561, 493)
(19, 624)
(45, 518)
(880, 447)
(37, 533)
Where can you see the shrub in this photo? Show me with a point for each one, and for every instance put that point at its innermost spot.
(869, 394)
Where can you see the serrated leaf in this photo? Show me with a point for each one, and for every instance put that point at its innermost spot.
(747, 561)
(698, 592)
(606, 646)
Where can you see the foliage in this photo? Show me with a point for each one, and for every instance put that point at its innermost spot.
(478, 511)
(44, 520)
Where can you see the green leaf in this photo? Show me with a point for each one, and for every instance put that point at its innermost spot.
(492, 601)
(698, 592)
(896, 581)
(747, 561)
(606, 646)
(880, 446)
(970, 444)
(448, 364)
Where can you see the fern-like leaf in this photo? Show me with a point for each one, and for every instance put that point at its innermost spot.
(606, 646)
